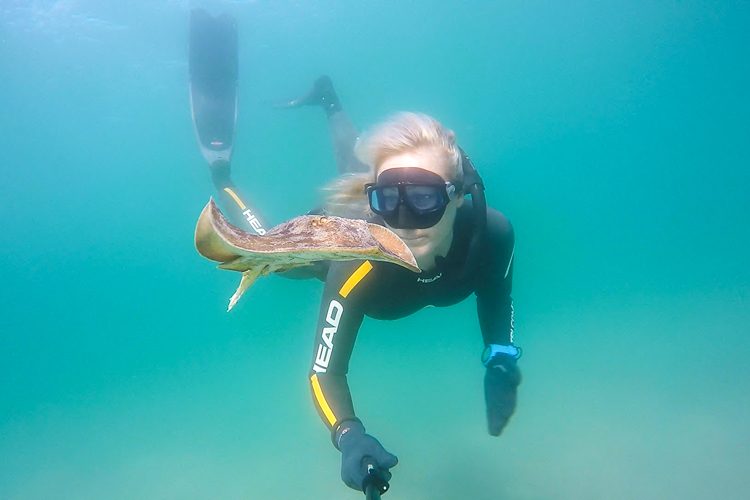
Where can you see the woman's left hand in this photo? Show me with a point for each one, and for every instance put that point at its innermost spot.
(500, 382)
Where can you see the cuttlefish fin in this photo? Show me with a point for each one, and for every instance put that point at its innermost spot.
(248, 278)
(393, 248)
(210, 241)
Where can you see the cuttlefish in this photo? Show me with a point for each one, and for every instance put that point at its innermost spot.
(299, 242)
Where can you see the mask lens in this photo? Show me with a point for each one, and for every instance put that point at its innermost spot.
(384, 199)
(424, 198)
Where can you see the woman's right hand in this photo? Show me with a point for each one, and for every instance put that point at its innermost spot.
(355, 446)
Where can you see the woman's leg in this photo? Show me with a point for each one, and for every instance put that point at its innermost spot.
(239, 212)
(343, 132)
(344, 137)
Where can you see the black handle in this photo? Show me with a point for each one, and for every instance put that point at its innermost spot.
(374, 484)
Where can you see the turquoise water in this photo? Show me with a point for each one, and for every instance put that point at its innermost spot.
(614, 135)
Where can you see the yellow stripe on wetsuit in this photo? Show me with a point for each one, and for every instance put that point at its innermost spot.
(354, 279)
(235, 198)
(322, 402)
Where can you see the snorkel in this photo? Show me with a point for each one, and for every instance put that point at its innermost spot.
(474, 187)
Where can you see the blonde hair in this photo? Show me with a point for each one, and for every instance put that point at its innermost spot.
(400, 133)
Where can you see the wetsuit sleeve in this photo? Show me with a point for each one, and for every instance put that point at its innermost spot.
(339, 320)
(494, 301)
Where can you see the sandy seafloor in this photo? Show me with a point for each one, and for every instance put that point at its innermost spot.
(615, 136)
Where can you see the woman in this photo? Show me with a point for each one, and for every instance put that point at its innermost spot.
(414, 182)
(410, 175)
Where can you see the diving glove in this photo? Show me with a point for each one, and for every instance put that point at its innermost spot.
(500, 382)
(357, 449)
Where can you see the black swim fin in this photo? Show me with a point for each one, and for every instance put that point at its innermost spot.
(213, 65)
(321, 94)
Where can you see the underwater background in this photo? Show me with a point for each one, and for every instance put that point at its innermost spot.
(615, 135)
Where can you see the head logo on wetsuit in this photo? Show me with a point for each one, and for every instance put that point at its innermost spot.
(325, 348)
(430, 280)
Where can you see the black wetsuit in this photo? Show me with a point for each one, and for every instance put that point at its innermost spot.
(352, 289)
(386, 291)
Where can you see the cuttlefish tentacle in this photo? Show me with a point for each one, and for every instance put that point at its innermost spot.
(248, 278)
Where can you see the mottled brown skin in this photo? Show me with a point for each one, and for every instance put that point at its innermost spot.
(298, 242)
